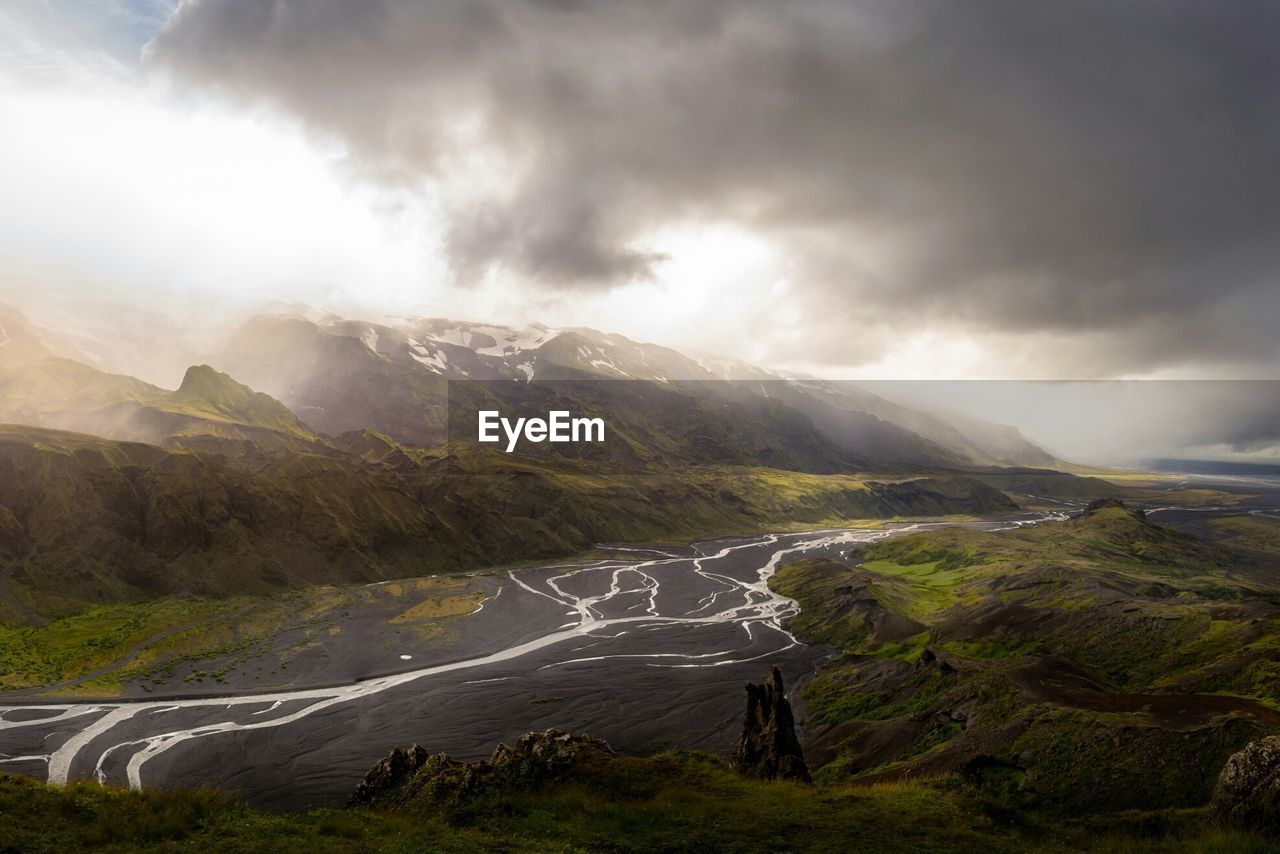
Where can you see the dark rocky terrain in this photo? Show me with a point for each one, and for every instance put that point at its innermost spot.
(768, 747)
(407, 776)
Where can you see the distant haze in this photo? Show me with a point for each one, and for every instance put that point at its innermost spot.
(1104, 422)
(1119, 422)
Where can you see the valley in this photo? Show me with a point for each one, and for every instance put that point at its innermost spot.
(645, 645)
(261, 588)
(644, 652)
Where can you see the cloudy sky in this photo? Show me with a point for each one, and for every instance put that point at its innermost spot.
(902, 188)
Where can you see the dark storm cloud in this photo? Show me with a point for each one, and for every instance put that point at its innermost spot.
(1242, 415)
(1093, 167)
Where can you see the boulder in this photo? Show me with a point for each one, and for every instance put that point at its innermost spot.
(1247, 796)
(768, 748)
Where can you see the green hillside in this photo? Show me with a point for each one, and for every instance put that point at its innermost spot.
(209, 394)
(210, 410)
(85, 519)
(1100, 663)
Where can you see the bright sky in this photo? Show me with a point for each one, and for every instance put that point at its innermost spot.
(120, 184)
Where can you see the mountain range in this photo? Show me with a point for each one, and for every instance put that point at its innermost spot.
(316, 450)
(335, 376)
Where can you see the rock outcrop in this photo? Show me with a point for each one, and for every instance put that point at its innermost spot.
(768, 747)
(1115, 504)
(412, 774)
(389, 774)
(1247, 796)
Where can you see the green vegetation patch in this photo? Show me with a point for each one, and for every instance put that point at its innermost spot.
(97, 637)
(846, 691)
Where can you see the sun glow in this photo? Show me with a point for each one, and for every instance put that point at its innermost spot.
(719, 289)
(118, 183)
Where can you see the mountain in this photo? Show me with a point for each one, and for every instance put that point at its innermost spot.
(215, 395)
(40, 388)
(210, 409)
(999, 444)
(22, 341)
(65, 393)
(43, 383)
(341, 375)
(972, 440)
(336, 382)
(403, 390)
(308, 451)
(849, 422)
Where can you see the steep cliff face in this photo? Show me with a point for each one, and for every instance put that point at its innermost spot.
(768, 747)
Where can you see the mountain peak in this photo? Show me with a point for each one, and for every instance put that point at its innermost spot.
(206, 391)
(202, 378)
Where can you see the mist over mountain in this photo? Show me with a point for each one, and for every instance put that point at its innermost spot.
(305, 358)
(349, 446)
(337, 375)
(342, 375)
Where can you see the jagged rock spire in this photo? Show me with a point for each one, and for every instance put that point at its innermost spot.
(768, 747)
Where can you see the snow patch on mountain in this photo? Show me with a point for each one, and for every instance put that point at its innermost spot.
(456, 335)
(435, 359)
(601, 363)
(489, 340)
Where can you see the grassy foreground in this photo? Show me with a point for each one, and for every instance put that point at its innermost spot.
(671, 802)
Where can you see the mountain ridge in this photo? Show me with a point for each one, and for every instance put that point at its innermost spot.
(420, 352)
(337, 375)
(89, 519)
